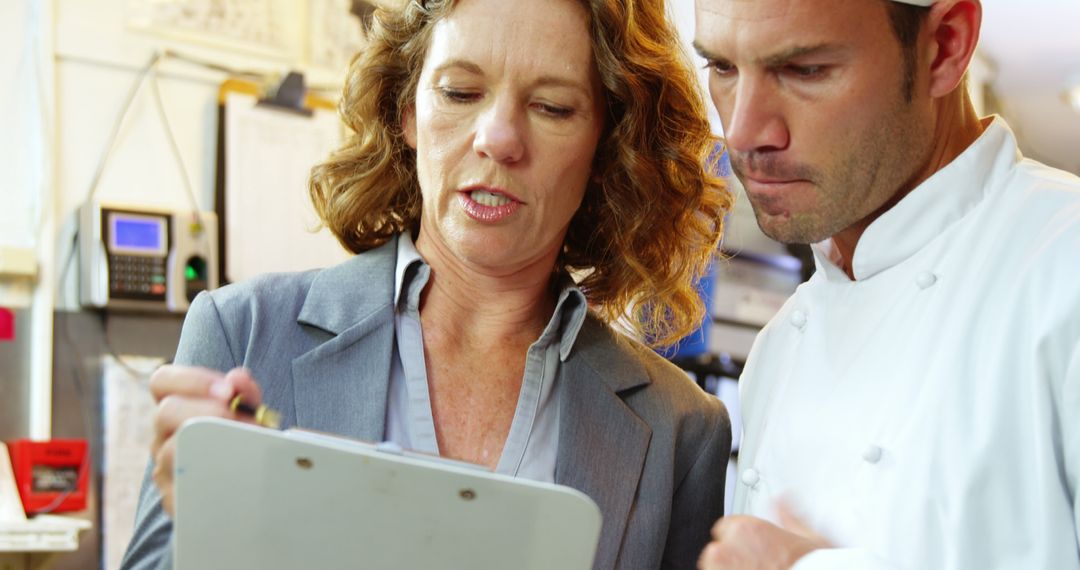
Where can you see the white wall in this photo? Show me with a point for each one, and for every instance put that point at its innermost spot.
(24, 105)
(26, 193)
(98, 62)
(66, 68)
(20, 139)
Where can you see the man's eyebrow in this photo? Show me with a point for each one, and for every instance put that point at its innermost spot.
(782, 58)
(778, 59)
(704, 53)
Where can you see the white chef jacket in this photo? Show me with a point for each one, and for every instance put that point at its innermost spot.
(927, 414)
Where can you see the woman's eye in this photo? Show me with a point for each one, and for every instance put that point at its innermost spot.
(554, 110)
(458, 95)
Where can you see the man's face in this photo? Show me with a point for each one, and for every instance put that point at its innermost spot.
(816, 123)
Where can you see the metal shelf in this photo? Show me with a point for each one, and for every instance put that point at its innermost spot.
(43, 533)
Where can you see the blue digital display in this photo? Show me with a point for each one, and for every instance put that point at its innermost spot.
(138, 234)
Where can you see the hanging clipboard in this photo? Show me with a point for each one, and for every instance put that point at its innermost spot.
(266, 148)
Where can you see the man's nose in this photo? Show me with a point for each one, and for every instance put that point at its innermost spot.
(499, 133)
(756, 121)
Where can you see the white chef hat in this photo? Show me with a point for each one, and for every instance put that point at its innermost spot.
(916, 2)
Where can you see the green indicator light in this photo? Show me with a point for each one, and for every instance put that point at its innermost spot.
(191, 274)
(157, 279)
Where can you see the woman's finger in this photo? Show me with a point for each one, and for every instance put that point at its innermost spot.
(183, 380)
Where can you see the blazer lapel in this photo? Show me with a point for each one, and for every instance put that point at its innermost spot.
(602, 442)
(340, 386)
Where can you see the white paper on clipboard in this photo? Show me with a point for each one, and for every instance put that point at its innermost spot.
(253, 498)
(269, 217)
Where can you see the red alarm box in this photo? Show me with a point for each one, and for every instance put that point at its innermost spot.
(51, 475)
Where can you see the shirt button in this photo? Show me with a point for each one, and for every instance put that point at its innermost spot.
(925, 280)
(872, 454)
(389, 447)
(750, 478)
(798, 319)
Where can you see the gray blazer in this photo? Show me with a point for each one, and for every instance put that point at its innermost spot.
(635, 433)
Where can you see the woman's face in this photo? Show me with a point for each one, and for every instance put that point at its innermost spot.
(507, 117)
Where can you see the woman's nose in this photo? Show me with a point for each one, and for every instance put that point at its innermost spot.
(499, 134)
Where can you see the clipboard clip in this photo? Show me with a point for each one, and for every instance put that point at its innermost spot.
(289, 95)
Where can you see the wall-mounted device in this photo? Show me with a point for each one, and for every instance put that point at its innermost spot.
(145, 259)
(51, 475)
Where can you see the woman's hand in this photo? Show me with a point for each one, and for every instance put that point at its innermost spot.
(183, 392)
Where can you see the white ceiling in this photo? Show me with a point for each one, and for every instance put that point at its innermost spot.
(1034, 48)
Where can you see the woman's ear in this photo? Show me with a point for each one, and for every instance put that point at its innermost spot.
(953, 34)
(408, 126)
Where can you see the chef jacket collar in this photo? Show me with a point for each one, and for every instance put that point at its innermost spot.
(929, 209)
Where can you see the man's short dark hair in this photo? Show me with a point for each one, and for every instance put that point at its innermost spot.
(907, 21)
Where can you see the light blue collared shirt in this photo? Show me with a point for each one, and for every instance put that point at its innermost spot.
(533, 442)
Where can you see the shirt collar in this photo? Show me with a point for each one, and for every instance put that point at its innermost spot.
(570, 309)
(406, 257)
(570, 312)
(929, 209)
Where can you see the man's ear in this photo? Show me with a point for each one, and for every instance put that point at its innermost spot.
(408, 125)
(953, 29)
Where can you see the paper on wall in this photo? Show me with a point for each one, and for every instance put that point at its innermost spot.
(129, 417)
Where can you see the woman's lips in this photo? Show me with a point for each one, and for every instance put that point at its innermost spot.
(488, 205)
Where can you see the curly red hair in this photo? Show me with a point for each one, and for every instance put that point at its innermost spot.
(652, 217)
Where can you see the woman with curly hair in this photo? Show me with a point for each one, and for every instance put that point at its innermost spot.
(521, 177)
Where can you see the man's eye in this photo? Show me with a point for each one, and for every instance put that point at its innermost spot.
(721, 68)
(806, 71)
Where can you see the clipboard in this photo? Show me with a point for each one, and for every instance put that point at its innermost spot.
(266, 146)
(249, 497)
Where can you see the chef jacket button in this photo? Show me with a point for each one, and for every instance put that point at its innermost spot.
(798, 319)
(925, 280)
(750, 478)
(872, 454)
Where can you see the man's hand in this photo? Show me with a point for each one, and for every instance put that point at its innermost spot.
(749, 543)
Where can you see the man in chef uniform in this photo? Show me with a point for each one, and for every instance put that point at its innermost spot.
(916, 403)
